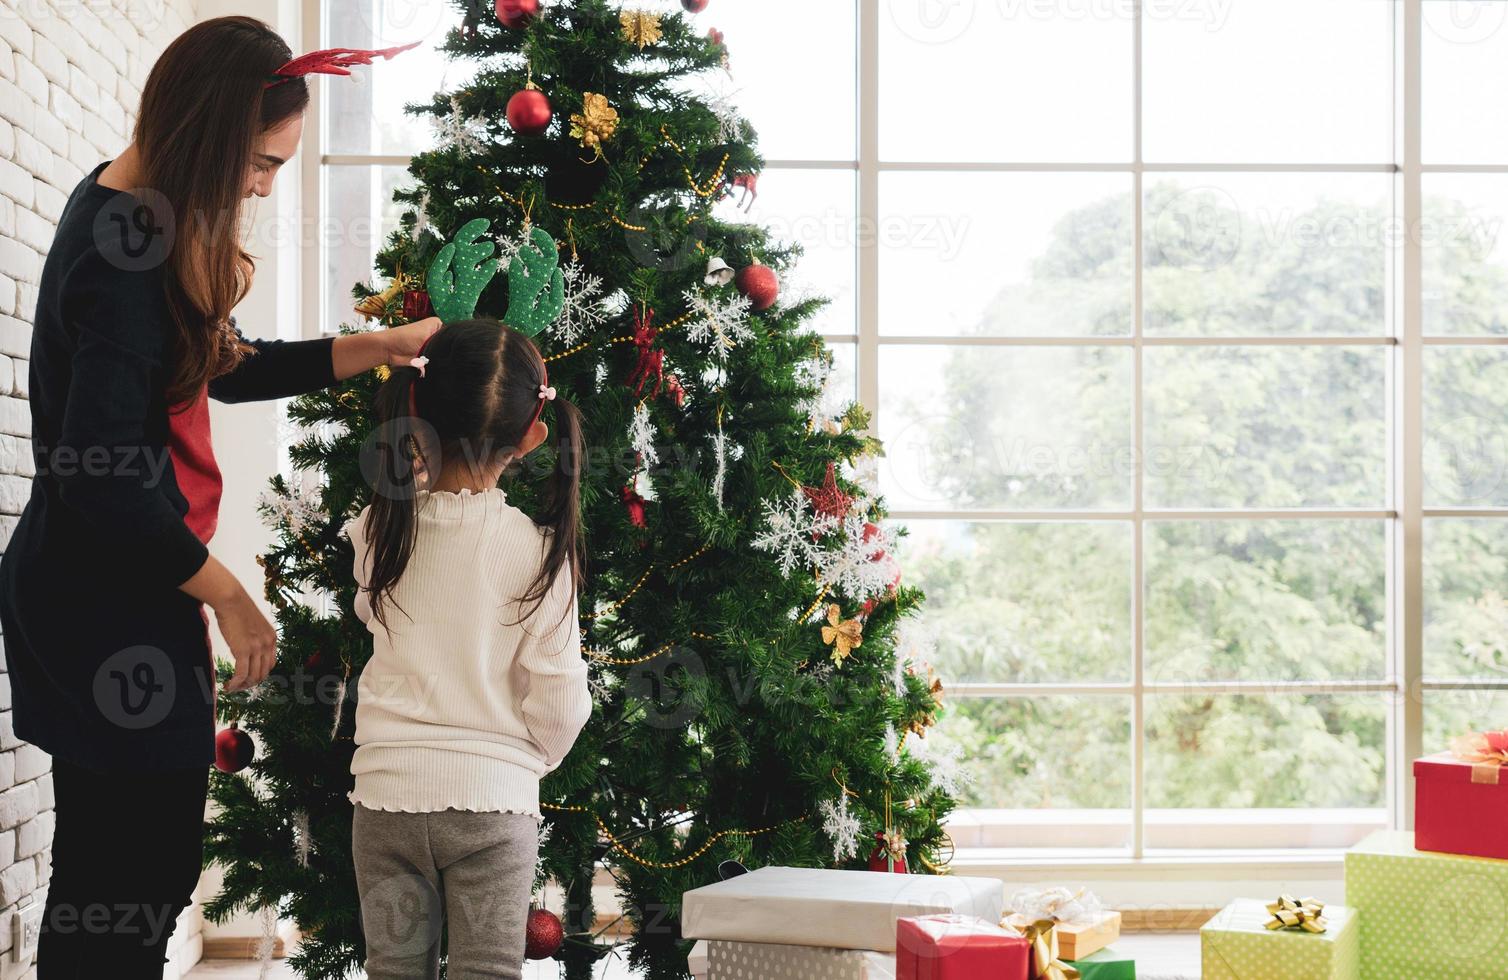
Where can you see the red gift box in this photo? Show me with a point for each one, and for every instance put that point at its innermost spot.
(1460, 807)
(959, 947)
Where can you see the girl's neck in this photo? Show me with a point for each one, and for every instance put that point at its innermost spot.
(454, 479)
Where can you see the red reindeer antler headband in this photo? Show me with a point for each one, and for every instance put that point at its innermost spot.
(332, 61)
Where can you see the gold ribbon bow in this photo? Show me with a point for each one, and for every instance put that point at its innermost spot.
(1043, 938)
(844, 636)
(1486, 751)
(1288, 912)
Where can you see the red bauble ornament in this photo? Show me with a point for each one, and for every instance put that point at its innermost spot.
(694, 6)
(416, 305)
(529, 112)
(879, 858)
(543, 935)
(871, 531)
(515, 13)
(760, 284)
(313, 663)
(234, 749)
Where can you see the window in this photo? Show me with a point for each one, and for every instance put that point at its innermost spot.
(1186, 327)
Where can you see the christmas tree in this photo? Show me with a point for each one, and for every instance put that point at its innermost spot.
(744, 614)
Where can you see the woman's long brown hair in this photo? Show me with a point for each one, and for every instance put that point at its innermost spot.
(205, 104)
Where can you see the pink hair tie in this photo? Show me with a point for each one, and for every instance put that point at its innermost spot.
(547, 393)
(419, 363)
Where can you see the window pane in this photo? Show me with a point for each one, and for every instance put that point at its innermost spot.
(1268, 600)
(1466, 427)
(1005, 81)
(1006, 428)
(1005, 254)
(1466, 599)
(1024, 603)
(1465, 51)
(1224, 751)
(1267, 427)
(805, 114)
(1465, 254)
(364, 113)
(814, 209)
(1041, 753)
(1451, 713)
(359, 215)
(1259, 81)
(843, 387)
(1254, 254)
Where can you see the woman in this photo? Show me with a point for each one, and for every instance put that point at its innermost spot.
(104, 583)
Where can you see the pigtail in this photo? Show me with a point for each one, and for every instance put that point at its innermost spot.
(561, 512)
(393, 456)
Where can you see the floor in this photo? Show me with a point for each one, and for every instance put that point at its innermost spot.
(1171, 956)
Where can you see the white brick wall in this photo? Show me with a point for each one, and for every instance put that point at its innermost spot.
(71, 73)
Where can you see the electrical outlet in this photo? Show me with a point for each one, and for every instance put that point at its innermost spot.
(26, 928)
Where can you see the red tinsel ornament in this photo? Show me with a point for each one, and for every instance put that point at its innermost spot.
(543, 935)
(829, 498)
(332, 61)
(634, 504)
(651, 362)
(416, 305)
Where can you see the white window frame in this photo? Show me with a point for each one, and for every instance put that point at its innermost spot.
(1404, 683)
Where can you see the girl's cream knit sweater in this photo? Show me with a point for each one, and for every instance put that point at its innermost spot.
(462, 707)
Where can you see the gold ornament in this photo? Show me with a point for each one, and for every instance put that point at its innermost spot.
(844, 636)
(595, 123)
(641, 27)
(376, 305)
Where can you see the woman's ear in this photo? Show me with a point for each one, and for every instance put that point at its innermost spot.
(534, 438)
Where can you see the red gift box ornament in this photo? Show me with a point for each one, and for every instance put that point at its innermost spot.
(1486, 751)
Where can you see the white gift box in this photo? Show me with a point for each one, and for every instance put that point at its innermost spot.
(697, 961)
(776, 961)
(819, 907)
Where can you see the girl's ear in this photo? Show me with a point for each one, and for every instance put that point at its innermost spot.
(534, 438)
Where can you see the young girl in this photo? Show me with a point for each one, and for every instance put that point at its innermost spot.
(476, 686)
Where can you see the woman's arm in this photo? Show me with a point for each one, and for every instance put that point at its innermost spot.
(284, 368)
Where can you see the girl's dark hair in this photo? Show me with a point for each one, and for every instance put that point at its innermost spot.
(476, 401)
(204, 105)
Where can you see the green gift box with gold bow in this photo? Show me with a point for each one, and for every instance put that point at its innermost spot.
(1107, 964)
(1249, 941)
(1426, 914)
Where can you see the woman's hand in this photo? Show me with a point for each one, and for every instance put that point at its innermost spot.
(404, 343)
(394, 346)
(251, 638)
